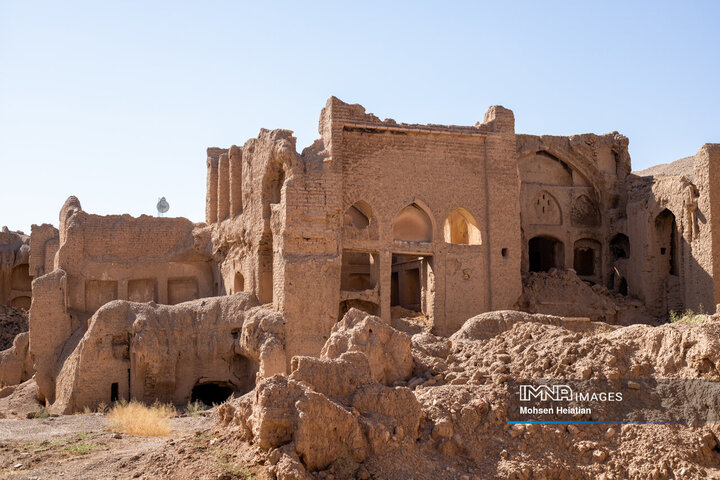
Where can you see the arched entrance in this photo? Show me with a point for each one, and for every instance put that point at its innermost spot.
(544, 253)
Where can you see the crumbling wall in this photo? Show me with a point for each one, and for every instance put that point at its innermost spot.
(403, 175)
(293, 231)
(120, 257)
(573, 196)
(277, 242)
(44, 244)
(157, 352)
(15, 290)
(51, 327)
(670, 217)
(563, 293)
(704, 223)
(101, 259)
(15, 362)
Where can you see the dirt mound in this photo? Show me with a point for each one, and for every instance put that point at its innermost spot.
(12, 322)
(683, 166)
(562, 292)
(409, 321)
(331, 417)
(20, 401)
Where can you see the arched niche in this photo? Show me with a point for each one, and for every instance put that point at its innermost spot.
(544, 210)
(666, 242)
(273, 183)
(620, 246)
(586, 257)
(544, 168)
(238, 283)
(359, 223)
(412, 224)
(545, 252)
(461, 228)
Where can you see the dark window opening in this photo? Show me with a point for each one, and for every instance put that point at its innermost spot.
(504, 252)
(211, 393)
(394, 287)
(114, 392)
(238, 283)
(545, 253)
(584, 263)
(666, 231)
(620, 246)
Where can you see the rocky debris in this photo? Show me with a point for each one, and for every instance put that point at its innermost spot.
(324, 410)
(331, 418)
(12, 322)
(683, 166)
(20, 401)
(387, 350)
(409, 321)
(562, 292)
(15, 362)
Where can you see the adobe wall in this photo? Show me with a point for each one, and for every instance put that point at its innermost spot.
(15, 289)
(139, 259)
(573, 191)
(387, 217)
(672, 224)
(157, 352)
(285, 241)
(105, 258)
(276, 233)
(44, 244)
(388, 166)
(710, 155)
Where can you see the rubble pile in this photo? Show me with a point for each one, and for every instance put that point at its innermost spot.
(381, 404)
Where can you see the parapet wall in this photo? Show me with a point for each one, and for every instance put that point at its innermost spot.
(139, 259)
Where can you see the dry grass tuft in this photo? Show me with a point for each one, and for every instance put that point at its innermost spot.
(136, 418)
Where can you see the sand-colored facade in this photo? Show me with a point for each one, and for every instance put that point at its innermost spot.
(377, 215)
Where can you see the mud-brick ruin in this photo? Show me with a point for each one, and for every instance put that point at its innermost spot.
(430, 222)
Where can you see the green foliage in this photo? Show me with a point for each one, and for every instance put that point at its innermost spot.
(689, 317)
(195, 409)
(42, 447)
(82, 448)
(41, 413)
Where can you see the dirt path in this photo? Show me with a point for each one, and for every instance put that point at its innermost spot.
(82, 447)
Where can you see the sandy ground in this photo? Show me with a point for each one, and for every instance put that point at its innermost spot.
(82, 446)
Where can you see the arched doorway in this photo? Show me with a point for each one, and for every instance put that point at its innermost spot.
(667, 262)
(587, 258)
(666, 234)
(544, 253)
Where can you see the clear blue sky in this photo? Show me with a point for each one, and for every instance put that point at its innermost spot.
(115, 102)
